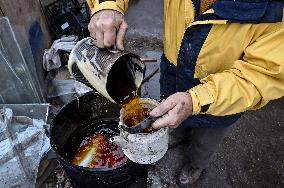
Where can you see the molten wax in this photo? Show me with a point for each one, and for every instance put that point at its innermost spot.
(135, 113)
(97, 152)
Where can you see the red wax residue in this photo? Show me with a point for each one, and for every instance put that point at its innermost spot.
(96, 151)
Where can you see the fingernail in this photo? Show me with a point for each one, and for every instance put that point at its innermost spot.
(154, 126)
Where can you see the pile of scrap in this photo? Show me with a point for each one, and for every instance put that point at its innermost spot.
(22, 142)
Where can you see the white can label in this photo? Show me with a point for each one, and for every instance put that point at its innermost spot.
(65, 25)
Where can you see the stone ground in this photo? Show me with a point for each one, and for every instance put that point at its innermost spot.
(252, 155)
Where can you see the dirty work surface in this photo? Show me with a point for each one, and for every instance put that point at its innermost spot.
(251, 155)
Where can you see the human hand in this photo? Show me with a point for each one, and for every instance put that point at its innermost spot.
(108, 27)
(174, 110)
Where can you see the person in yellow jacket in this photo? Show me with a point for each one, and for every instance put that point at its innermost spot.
(221, 58)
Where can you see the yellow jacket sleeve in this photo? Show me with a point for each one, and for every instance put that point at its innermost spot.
(98, 5)
(250, 84)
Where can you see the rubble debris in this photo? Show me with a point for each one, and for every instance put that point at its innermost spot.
(52, 56)
(22, 141)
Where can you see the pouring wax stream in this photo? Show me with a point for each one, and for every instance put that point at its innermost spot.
(122, 88)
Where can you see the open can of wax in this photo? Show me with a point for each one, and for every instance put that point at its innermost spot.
(146, 147)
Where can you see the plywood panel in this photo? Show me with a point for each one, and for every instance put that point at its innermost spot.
(25, 14)
(46, 2)
(29, 24)
(1, 12)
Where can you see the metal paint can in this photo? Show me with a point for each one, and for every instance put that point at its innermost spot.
(110, 72)
(143, 148)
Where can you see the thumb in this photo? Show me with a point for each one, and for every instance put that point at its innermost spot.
(120, 35)
(163, 108)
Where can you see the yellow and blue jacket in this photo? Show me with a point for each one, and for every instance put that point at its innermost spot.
(228, 61)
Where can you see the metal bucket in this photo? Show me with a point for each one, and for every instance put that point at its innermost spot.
(112, 73)
(143, 148)
(92, 106)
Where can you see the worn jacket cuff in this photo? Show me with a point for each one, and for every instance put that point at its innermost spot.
(201, 97)
(108, 5)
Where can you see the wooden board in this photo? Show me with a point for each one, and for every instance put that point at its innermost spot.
(1, 12)
(46, 2)
(25, 14)
(30, 27)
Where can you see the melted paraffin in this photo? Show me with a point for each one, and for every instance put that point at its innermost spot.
(135, 113)
(97, 152)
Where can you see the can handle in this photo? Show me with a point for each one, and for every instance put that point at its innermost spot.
(114, 49)
(146, 123)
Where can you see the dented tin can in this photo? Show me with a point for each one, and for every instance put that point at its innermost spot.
(112, 73)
